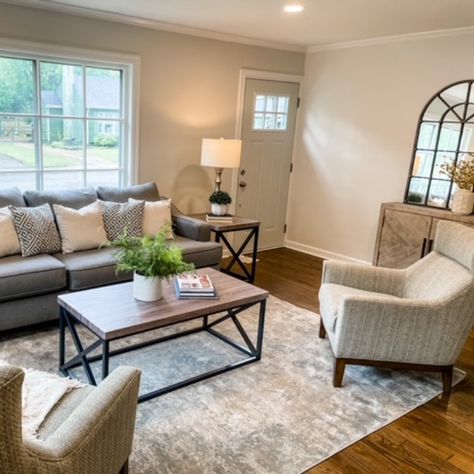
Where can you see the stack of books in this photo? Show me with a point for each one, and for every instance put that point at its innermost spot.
(193, 285)
(225, 219)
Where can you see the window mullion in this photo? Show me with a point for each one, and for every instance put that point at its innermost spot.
(38, 129)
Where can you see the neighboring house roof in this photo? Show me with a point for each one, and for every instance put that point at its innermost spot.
(101, 93)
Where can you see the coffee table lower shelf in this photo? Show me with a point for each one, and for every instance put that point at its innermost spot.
(68, 322)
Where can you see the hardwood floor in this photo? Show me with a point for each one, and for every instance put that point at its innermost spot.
(435, 438)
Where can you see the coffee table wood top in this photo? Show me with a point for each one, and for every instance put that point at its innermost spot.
(238, 223)
(112, 312)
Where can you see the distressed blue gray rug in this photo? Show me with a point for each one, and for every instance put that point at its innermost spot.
(279, 415)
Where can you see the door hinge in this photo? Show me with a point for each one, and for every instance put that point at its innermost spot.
(284, 228)
(298, 102)
(291, 167)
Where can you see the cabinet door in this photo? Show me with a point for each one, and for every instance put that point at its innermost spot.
(402, 238)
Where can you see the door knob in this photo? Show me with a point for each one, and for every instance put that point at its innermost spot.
(242, 184)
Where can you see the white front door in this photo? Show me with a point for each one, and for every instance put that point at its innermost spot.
(268, 128)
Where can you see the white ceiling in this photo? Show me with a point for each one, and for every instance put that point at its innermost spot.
(322, 22)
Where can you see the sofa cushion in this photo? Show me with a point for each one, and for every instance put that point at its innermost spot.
(91, 268)
(141, 192)
(11, 197)
(76, 198)
(36, 230)
(156, 215)
(9, 243)
(21, 277)
(122, 217)
(202, 254)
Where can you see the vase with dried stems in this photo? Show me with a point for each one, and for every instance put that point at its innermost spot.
(462, 174)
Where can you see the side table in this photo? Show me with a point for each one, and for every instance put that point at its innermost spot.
(238, 224)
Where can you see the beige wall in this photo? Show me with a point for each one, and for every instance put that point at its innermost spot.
(189, 89)
(359, 114)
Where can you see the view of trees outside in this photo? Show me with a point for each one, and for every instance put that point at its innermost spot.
(75, 122)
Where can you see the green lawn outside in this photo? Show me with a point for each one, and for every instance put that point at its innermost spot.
(60, 157)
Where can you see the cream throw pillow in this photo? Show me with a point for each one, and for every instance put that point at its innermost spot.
(81, 229)
(9, 243)
(155, 216)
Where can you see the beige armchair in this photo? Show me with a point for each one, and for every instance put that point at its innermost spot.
(417, 319)
(89, 432)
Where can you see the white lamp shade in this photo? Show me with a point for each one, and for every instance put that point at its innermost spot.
(220, 153)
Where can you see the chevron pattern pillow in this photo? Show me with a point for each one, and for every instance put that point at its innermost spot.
(36, 230)
(119, 217)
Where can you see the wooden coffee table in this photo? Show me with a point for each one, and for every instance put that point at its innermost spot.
(111, 313)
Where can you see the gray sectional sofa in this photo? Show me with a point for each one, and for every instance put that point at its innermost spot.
(29, 286)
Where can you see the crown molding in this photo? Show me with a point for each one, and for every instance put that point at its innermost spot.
(99, 14)
(391, 39)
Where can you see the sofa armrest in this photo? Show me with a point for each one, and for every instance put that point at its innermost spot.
(365, 277)
(191, 228)
(97, 436)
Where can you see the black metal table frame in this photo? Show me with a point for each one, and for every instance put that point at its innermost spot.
(67, 320)
(248, 276)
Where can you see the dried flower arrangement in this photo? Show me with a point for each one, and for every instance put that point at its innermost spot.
(461, 173)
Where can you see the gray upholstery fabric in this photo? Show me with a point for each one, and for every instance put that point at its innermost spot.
(456, 241)
(76, 198)
(21, 277)
(11, 197)
(202, 254)
(427, 324)
(28, 311)
(91, 268)
(141, 192)
(191, 228)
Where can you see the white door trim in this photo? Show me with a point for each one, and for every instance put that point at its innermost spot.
(267, 76)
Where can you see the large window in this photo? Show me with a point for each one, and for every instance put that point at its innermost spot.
(63, 124)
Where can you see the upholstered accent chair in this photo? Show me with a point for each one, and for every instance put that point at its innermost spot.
(418, 318)
(89, 431)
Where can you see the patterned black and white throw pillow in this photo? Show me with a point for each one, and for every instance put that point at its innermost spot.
(36, 229)
(119, 217)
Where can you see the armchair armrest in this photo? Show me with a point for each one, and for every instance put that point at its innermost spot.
(399, 329)
(364, 277)
(192, 228)
(97, 436)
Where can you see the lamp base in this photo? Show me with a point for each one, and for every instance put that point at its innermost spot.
(217, 186)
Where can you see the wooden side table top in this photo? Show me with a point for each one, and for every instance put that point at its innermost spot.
(112, 312)
(239, 223)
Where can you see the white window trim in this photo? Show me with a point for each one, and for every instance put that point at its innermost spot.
(131, 83)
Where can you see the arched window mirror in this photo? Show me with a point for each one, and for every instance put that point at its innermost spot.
(445, 133)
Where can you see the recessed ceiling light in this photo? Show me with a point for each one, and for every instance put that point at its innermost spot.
(293, 8)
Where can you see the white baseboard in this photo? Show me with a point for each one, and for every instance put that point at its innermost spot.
(322, 253)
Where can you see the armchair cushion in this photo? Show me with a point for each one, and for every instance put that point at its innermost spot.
(456, 241)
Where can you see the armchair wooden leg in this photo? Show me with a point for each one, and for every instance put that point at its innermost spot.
(338, 374)
(322, 329)
(124, 469)
(447, 377)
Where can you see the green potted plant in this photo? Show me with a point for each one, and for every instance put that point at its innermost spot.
(462, 174)
(151, 259)
(219, 201)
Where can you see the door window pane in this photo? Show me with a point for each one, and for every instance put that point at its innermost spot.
(276, 112)
(62, 89)
(16, 86)
(17, 147)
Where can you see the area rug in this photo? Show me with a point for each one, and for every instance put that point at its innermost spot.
(279, 415)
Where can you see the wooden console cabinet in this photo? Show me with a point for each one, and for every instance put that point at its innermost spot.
(406, 232)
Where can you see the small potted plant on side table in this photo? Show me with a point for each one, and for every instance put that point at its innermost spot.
(151, 259)
(462, 174)
(219, 202)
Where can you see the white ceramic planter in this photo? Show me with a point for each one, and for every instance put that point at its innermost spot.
(218, 209)
(147, 289)
(462, 202)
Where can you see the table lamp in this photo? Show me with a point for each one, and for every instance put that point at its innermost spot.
(219, 154)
